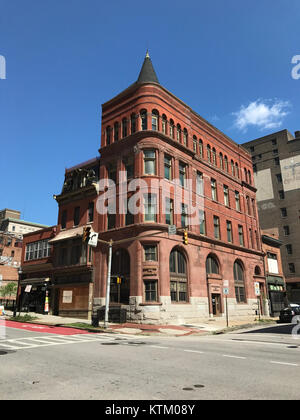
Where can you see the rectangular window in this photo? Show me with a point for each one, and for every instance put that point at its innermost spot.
(150, 208)
(241, 235)
(150, 253)
(281, 195)
(182, 173)
(184, 216)
(217, 227)
(168, 167)
(272, 263)
(112, 172)
(199, 183)
(229, 231)
(76, 218)
(151, 291)
(91, 212)
(149, 162)
(164, 126)
(226, 195)
(154, 123)
(237, 201)
(283, 212)
(111, 221)
(289, 249)
(213, 184)
(178, 291)
(279, 178)
(292, 268)
(286, 230)
(129, 217)
(75, 254)
(64, 219)
(202, 222)
(169, 211)
(129, 166)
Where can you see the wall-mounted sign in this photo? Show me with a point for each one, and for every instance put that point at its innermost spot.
(28, 288)
(257, 288)
(67, 296)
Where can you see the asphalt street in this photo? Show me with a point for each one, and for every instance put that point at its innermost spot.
(260, 363)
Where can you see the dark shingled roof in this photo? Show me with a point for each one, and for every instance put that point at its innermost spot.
(147, 73)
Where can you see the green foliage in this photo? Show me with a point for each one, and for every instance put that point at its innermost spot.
(9, 289)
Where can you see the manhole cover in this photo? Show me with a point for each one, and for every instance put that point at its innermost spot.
(292, 347)
(2, 352)
(188, 389)
(136, 343)
(199, 386)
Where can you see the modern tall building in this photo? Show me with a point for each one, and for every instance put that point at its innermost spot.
(276, 164)
(176, 198)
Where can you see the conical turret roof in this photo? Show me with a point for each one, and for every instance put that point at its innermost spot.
(147, 73)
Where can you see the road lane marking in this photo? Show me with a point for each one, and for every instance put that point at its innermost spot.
(194, 351)
(233, 357)
(159, 347)
(284, 363)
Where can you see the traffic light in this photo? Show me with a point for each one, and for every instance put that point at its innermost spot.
(185, 237)
(86, 234)
(119, 280)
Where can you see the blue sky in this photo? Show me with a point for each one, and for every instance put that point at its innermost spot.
(228, 60)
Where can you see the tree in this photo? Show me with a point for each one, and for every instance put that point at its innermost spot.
(9, 289)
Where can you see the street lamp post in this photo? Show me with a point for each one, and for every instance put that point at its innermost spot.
(18, 291)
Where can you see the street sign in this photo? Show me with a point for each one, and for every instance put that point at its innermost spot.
(225, 291)
(256, 288)
(172, 229)
(28, 288)
(93, 241)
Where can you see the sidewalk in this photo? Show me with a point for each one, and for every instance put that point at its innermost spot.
(209, 326)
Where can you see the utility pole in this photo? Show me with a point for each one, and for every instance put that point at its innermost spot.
(108, 284)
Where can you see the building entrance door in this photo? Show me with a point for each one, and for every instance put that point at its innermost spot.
(216, 304)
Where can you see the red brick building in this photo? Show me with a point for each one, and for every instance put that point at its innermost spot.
(151, 135)
(35, 281)
(178, 171)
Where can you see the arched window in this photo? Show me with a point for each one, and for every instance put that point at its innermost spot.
(237, 173)
(208, 153)
(143, 115)
(124, 127)
(214, 156)
(178, 133)
(164, 124)
(212, 265)
(194, 144)
(172, 128)
(116, 131)
(221, 161)
(185, 136)
(200, 148)
(108, 135)
(249, 178)
(232, 167)
(246, 175)
(133, 123)
(226, 163)
(257, 271)
(178, 276)
(154, 120)
(239, 282)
